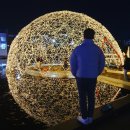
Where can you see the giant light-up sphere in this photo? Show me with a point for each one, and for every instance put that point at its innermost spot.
(53, 36)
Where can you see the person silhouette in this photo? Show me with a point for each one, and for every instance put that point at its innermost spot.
(127, 63)
(87, 62)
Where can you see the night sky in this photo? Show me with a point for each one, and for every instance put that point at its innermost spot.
(113, 14)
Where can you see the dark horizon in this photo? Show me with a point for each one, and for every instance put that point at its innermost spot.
(113, 15)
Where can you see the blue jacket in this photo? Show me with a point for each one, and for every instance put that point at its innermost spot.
(87, 60)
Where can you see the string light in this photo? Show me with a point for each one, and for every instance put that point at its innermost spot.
(50, 40)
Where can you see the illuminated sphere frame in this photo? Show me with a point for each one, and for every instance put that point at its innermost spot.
(53, 36)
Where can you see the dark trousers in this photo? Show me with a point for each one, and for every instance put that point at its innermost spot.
(86, 90)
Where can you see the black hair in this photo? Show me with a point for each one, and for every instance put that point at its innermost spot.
(89, 33)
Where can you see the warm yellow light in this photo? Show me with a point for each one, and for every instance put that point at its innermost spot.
(53, 36)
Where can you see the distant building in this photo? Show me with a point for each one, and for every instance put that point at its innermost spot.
(5, 41)
(3, 44)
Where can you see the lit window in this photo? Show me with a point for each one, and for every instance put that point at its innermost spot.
(3, 46)
(3, 39)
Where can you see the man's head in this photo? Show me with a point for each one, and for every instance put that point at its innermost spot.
(89, 33)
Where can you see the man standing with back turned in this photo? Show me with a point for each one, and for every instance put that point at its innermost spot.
(87, 62)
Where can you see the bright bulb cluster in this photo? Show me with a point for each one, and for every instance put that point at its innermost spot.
(52, 37)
